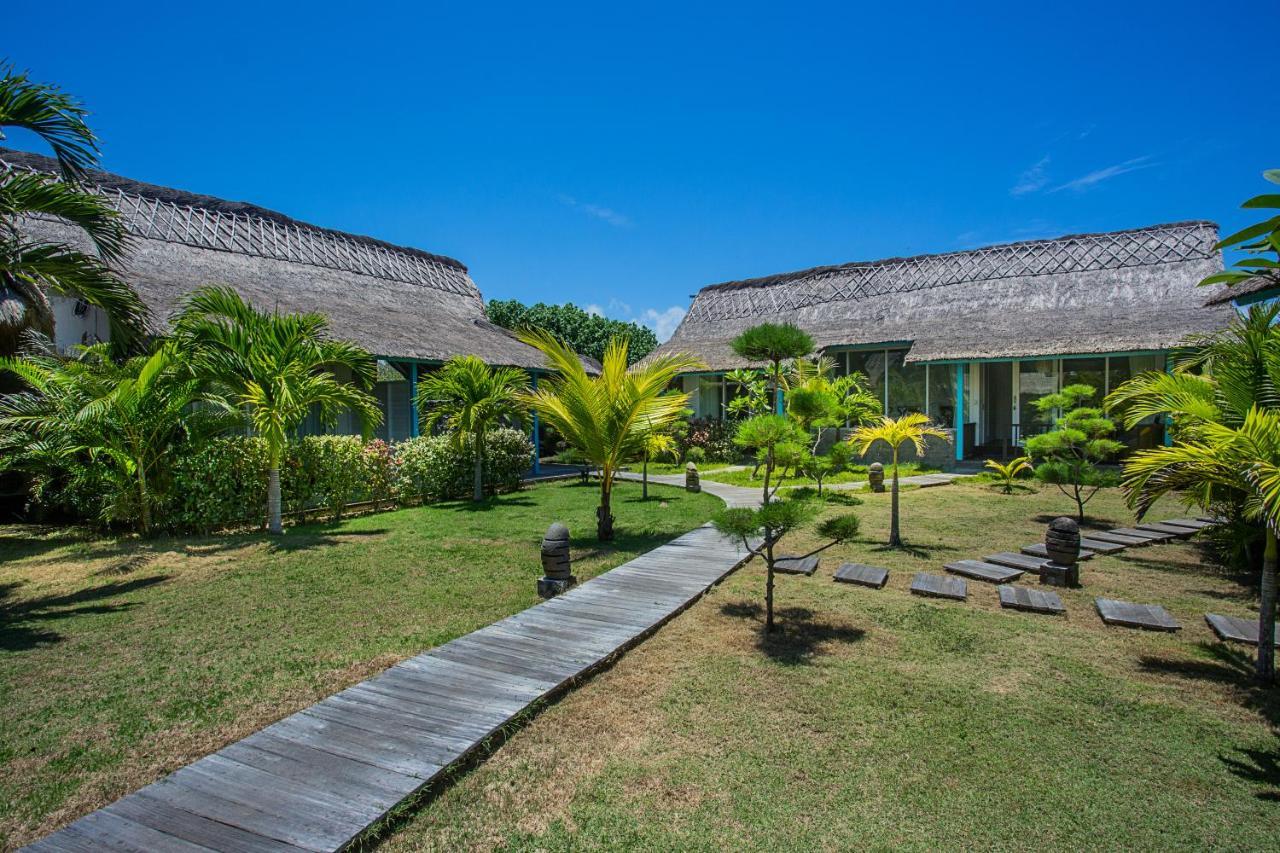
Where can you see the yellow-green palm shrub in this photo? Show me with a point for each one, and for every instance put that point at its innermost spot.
(1006, 474)
(607, 417)
(911, 428)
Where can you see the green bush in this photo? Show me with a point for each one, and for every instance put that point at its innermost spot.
(221, 484)
(434, 468)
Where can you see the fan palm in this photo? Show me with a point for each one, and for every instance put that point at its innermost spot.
(127, 417)
(29, 269)
(606, 417)
(895, 432)
(276, 367)
(470, 398)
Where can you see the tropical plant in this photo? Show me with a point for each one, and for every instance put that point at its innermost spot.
(819, 466)
(127, 419)
(30, 269)
(777, 443)
(278, 368)
(1007, 474)
(773, 521)
(751, 393)
(912, 427)
(469, 397)
(606, 417)
(656, 443)
(1257, 241)
(1244, 457)
(1068, 454)
(773, 343)
(584, 332)
(432, 467)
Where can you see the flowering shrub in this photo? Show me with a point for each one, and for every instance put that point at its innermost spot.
(433, 468)
(715, 437)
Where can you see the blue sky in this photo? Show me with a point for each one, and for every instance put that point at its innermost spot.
(624, 156)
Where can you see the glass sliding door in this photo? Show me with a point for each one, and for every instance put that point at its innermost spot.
(1035, 379)
(942, 395)
(871, 364)
(906, 385)
(1086, 371)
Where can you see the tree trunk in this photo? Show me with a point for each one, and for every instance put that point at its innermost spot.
(144, 505)
(1079, 506)
(604, 516)
(895, 537)
(477, 491)
(768, 472)
(274, 523)
(1266, 667)
(768, 585)
(644, 479)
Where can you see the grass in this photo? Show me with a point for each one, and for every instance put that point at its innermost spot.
(877, 719)
(855, 473)
(678, 468)
(121, 660)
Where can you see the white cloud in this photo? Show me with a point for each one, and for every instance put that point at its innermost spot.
(662, 322)
(594, 310)
(597, 211)
(1032, 179)
(1096, 177)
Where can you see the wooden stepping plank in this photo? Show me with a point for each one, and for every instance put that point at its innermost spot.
(1236, 630)
(1038, 550)
(1149, 535)
(1119, 539)
(939, 586)
(1015, 561)
(979, 570)
(1171, 529)
(872, 576)
(796, 565)
(1150, 617)
(1193, 523)
(1098, 546)
(1031, 600)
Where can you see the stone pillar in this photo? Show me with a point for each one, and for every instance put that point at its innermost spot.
(692, 483)
(875, 476)
(556, 566)
(1062, 542)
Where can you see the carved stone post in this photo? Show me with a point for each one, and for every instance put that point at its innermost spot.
(875, 476)
(692, 483)
(1062, 543)
(556, 566)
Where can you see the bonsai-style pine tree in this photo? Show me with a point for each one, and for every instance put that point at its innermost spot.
(1068, 455)
(770, 524)
(773, 343)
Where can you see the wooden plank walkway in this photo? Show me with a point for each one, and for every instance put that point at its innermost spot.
(317, 779)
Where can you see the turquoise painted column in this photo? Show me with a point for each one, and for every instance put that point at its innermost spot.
(537, 430)
(959, 412)
(778, 406)
(413, 399)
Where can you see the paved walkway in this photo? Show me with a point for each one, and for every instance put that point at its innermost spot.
(317, 779)
(744, 496)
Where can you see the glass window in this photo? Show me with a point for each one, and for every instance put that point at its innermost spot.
(906, 385)
(1035, 378)
(1086, 371)
(942, 394)
(870, 363)
(1125, 367)
(709, 397)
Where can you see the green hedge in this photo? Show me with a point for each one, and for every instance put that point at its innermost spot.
(433, 468)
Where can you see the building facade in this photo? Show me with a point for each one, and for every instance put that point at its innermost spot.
(973, 338)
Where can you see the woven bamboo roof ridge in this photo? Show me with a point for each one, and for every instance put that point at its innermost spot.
(394, 301)
(1121, 291)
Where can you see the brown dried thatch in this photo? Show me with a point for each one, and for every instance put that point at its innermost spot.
(1264, 285)
(394, 301)
(1121, 291)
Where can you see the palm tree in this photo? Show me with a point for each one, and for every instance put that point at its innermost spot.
(471, 397)
(127, 417)
(1239, 458)
(1219, 385)
(30, 269)
(895, 432)
(606, 417)
(656, 443)
(276, 367)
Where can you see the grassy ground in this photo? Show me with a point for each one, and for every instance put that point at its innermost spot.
(678, 468)
(855, 473)
(122, 660)
(878, 719)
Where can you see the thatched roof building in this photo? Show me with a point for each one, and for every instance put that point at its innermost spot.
(395, 301)
(973, 338)
(1086, 293)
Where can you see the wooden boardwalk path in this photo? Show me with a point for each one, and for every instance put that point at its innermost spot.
(317, 779)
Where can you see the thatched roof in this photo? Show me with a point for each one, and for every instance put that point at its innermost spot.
(1264, 285)
(394, 301)
(1121, 291)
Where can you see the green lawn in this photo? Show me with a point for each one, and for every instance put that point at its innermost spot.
(855, 473)
(123, 660)
(878, 719)
(677, 468)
